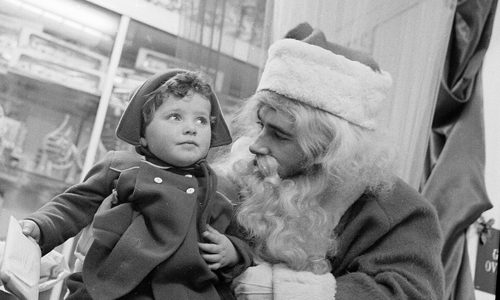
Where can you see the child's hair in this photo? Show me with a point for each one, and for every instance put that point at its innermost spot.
(180, 85)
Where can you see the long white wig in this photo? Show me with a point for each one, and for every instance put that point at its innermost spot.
(285, 218)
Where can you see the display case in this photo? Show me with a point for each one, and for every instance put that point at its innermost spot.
(44, 132)
(10, 32)
(61, 52)
(48, 58)
(67, 68)
(51, 83)
(8, 42)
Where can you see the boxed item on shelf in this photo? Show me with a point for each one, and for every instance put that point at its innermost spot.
(46, 57)
(32, 63)
(9, 39)
(10, 32)
(66, 53)
(12, 137)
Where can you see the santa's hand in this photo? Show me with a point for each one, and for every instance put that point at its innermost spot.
(220, 252)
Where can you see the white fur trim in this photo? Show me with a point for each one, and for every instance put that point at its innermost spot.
(255, 283)
(302, 285)
(277, 282)
(325, 80)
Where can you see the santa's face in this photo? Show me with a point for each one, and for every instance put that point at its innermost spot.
(278, 139)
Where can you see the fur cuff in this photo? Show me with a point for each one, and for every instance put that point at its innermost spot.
(294, 285)
(277, 282)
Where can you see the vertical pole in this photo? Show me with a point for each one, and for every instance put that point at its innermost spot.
(95, 137)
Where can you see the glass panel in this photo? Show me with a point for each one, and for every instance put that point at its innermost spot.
(146, 51)
(225, 38)
(52, 69)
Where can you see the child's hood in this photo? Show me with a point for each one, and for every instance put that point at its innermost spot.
(129, 127)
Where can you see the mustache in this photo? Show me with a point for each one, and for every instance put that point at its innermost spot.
(263, 167)
(267, 167)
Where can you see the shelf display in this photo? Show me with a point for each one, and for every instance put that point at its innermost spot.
(50, 86)
(32, 63)
(10, 31)
(54, 79)
(64, 52)
(8, 42)
(12, 138)
(48, 58)
(26, 49)
(59, 156)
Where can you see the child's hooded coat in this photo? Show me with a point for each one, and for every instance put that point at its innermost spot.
(147, 242)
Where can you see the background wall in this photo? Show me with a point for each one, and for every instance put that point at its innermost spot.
(393, 32)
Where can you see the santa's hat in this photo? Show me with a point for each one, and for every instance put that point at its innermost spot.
(344, 82)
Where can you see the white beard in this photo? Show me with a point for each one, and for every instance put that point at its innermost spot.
(284, 218)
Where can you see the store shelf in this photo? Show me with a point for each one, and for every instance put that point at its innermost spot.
(13, 176)
(33, 53)
(23, 85)
(40, 188)
(61, 52)
(38, 65)
(26, 97)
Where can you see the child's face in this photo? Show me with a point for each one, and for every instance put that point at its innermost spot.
(180, 132)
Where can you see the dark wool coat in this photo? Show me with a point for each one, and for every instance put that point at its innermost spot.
(148, 243)
(388, 248)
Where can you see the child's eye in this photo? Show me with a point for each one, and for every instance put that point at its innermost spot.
(202, 121)
(173, 117)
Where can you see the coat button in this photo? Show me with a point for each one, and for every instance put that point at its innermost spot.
(189, 176)
(158, 180)
(190, 190)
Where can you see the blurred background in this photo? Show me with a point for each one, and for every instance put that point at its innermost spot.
(67, 67)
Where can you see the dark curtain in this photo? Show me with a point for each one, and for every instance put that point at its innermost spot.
(454, 172)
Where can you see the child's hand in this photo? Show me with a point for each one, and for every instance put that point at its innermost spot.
(220, 252)
(31, 229)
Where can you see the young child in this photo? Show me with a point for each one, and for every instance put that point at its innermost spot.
(160, 237)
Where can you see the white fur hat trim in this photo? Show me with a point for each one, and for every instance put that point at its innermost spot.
(327, 81)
